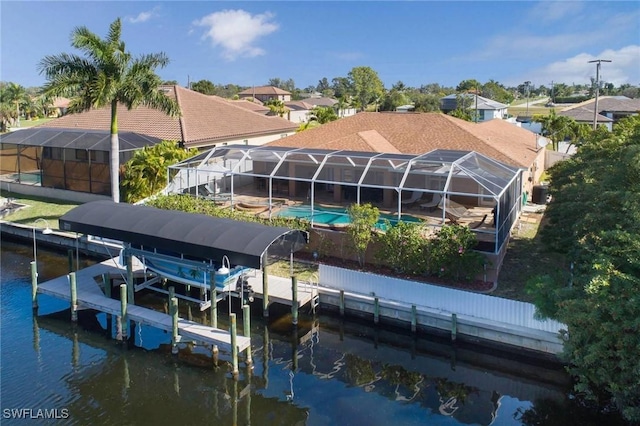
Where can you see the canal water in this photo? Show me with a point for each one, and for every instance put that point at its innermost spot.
(328, 372)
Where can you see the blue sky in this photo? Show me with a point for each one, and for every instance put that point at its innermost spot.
(421, 42)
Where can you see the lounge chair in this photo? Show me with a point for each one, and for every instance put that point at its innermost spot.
(433, 204)
(415, 196)
(455, 212)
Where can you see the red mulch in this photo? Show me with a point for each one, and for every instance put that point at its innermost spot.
(477, 285)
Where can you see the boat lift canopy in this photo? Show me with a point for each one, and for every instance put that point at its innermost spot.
(190, 234)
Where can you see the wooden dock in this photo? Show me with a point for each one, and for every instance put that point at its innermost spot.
(280, 289)
(91, 296)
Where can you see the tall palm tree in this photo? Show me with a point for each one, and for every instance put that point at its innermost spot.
(107, 75)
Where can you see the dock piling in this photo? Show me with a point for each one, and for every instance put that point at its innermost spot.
(34, 286)
(341, 303)
(70, 259)
(106, 280)
(214, 307)
(454, 327)
(130, 283)
(376, 310)
(294, 299)
(234, 346)
(172, 294)
(74, 296)
(265, 289)
(174, 322)
(123, 311)
(414, 319)
(246, 318)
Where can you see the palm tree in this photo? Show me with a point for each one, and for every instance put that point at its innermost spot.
(106, 76)
(556, 127)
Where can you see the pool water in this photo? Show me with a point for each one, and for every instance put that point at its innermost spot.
(338, 216)
(27, 177)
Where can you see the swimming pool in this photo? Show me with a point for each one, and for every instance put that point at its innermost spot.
(31, 178)
(337, 215)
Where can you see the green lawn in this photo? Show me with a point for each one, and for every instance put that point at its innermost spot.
(31, 123)
(38, 207)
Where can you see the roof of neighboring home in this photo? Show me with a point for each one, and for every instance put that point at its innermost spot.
(483, 103)
(609, 104)
(251, 106)
(417, 133)
(204, 119)
(584, 114)
(299, 105)
(61, 102)
(321, 101)
(264, 90)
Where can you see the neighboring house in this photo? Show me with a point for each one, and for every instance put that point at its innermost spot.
(298, 111)
(70, 140)
(487, 108)
(610, 110)
(345, 111)
(424, 132)
(405, 108)
(60, 107)
(266, 93)
(585, 115)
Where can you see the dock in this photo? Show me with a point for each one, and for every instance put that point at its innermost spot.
(280, 290)
(91, 296)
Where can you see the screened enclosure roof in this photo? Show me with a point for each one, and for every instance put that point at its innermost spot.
(196, 235)
(93, 140)
(492, 175)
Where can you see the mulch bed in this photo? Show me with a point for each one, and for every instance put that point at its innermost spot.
(477, 285)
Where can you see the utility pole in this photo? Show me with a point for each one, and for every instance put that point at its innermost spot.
(595, 106)
(552, 97)
(527, 84)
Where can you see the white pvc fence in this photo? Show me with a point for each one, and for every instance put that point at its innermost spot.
(447, 300)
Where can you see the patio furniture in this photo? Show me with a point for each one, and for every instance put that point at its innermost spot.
(433, 204)
(455, 212)
(415, 196)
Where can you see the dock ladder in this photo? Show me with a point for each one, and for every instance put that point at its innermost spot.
(314, 283)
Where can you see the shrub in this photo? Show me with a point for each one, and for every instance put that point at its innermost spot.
(403, 248)
(451, 255)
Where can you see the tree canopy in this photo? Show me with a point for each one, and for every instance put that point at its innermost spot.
(366, 85)
(107, 75)
(594, 220)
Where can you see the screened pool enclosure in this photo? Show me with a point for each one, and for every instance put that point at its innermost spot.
(442, 186)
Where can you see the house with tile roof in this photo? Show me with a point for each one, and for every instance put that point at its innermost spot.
(610, 110)
(266, 93)
(419, 133)
(487, 109)
(67, 147)
(206, 121)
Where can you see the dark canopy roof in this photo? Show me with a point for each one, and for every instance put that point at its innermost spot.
(190, 234)
(94, 140)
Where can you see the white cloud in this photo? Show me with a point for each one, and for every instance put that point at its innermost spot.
(142, 16)
(237, 32)
(552, 11)
(622, 69)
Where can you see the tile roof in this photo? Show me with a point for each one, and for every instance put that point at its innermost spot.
(584, 114)
(251, 106)
(418, 133)
(264, 90)
(298, 105)
(321, 101)
(609, 104)
(204, 119)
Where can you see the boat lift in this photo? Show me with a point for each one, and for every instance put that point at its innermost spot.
(226, 280)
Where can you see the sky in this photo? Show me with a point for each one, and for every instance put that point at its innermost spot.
(416, 42)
